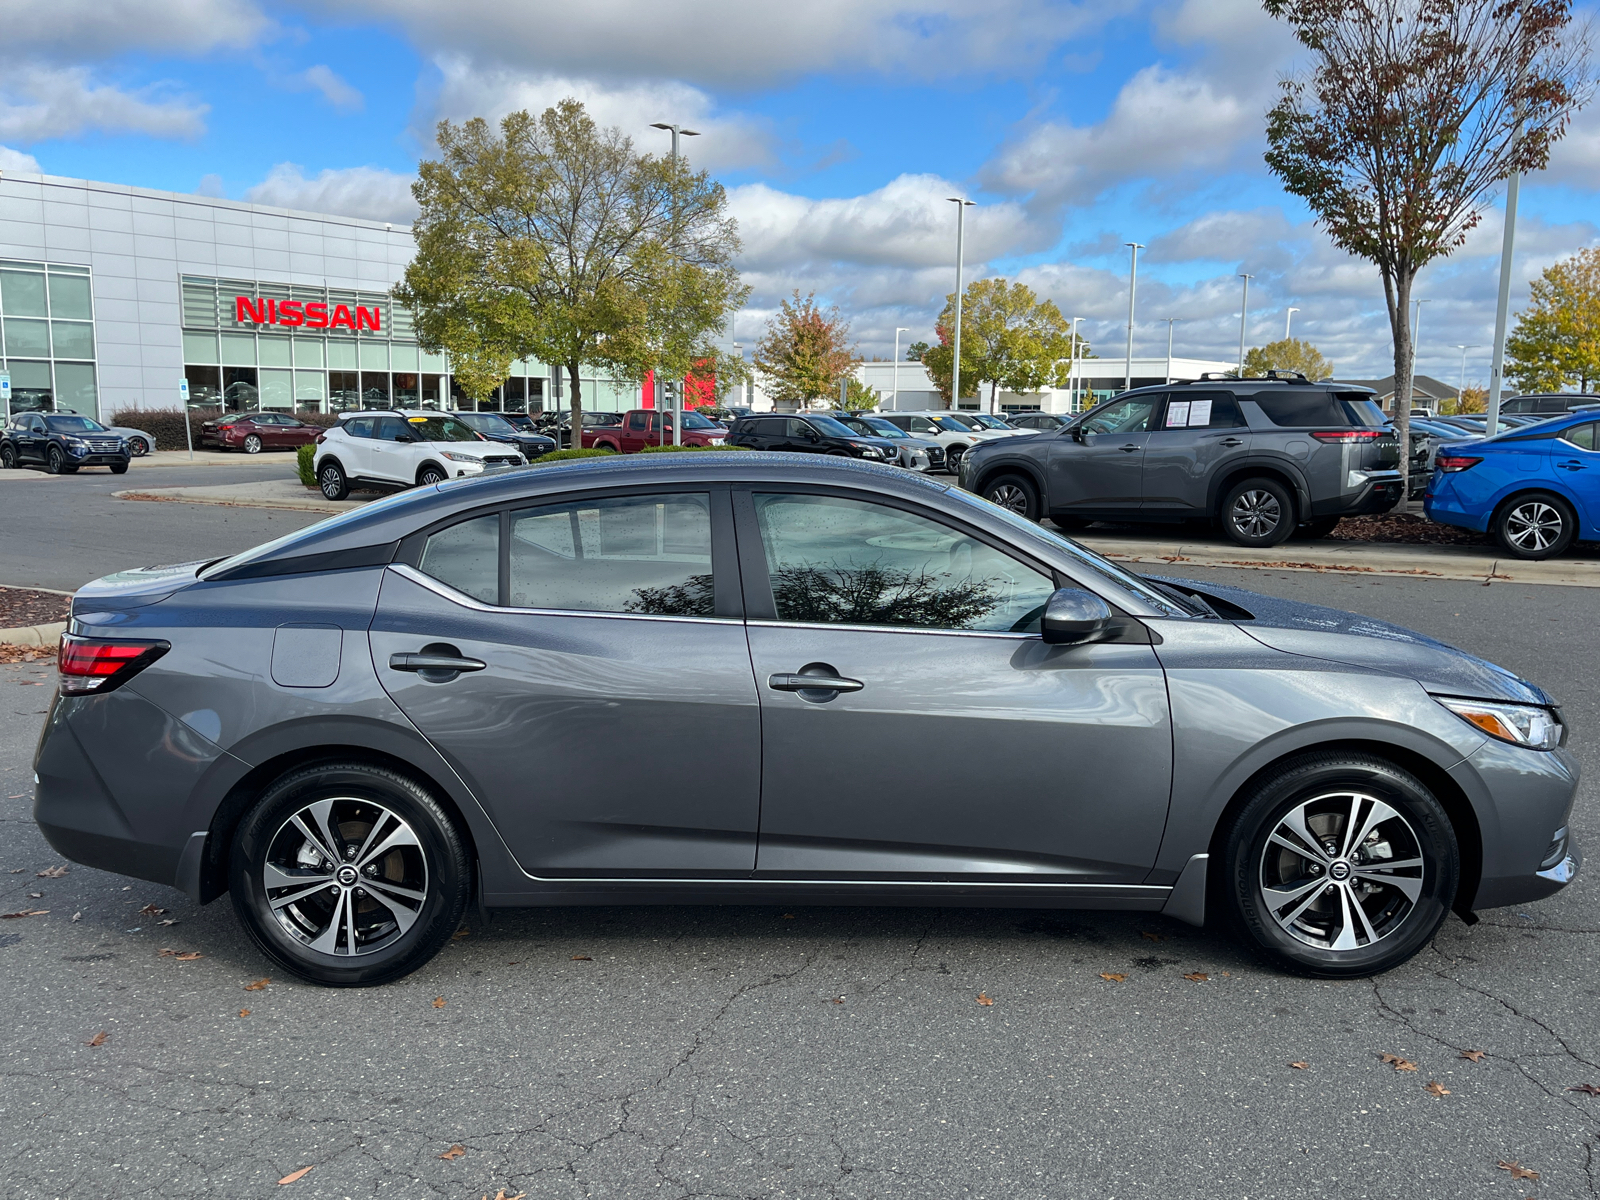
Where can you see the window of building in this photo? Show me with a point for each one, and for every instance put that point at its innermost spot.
(47, 343)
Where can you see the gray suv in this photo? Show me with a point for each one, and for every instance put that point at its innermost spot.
(368, 726)
(1260, 457)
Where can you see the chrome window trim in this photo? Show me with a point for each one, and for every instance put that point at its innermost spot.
(449, 593)
(974, 633)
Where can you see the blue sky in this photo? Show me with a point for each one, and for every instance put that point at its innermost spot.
(839, 126)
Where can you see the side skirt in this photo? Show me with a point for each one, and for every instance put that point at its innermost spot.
(1129, 897)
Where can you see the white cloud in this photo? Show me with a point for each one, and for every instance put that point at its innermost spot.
(38, 102)
(334, 89)
(16, 160)
(84, 29)
(369, 192)
(1222, 237)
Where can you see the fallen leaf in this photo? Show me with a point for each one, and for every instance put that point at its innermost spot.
(166, 921)
(501, 1195)
(1518, 1171)
(1588, 1089)
(293, 1175)
(838, 999)
(53, 872)
(165, 953)
(1153, 937)
(259, 985)
(150, 910)
(16, 870)
(788, 916)
(1435, 1088)
(1399, 1064)
(1197, 977)
(98, 1039)
(985, 1000)
(27, 912)
(461, 933)
(77, 916)
(190, 956)
(453, 1153)
(1112, 977)
(581, 958)
(244, 1012)
(1474, 1055)
(35, 895)
(438, 1001)
(1300, 1066)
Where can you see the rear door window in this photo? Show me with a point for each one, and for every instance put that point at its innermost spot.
(359, 427)
(466, 557)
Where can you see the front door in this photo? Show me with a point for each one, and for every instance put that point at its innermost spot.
(1104, 472)
(612, 729)
(1195, 434)
(388, 457)
(1576, 458)
(951, 741)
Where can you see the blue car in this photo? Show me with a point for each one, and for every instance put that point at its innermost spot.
(1536, 489)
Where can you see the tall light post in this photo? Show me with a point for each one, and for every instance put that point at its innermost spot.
(677, 131)
(1170, 321)
(1416, 330)
(738, 349)
(961, 227)
(895, 403)
(1133, 287)
(1287, 317)
(1244, 309)
(1497, 360)
(1462, 388)
(1072, 375)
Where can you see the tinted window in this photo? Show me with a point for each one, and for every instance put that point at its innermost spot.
(637, 421)
(878, 427)
(634, 554)
(1526, 404)
(1122, 416)
(1552, 404)
(389, 429)
(439, 429)
(799, 429)
(1299, 408)
(768, 427)
(693, 420)
(923, 425)
(359, 427)
(850, 562)
(1581, 436)
(830, 427)
(467, 557)
(1201, 410)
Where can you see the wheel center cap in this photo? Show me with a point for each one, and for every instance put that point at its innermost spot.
(347, 875)
(1339, 871)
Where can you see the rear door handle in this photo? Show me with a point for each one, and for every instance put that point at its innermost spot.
(813, 683)
(1571, 465)
(434, 662)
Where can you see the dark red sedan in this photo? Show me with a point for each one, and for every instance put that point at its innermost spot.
(258, 431)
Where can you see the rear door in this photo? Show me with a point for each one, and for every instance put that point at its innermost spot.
(355, 447)
(606, 715)
(1105, 471)
(1195, 435)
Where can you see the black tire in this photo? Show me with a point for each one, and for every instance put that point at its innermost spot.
(1326, 784)
(55, 462)
(138, 447)
(331, 479)
(1321, 527)
(252, 443)
(8, 458)
(434, 864)
(1257, 512)
(119, 468)
(1535, 525)
(1014, 493)
(431, 474)
(952, 459)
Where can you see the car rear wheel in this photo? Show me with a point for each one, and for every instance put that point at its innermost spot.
(1340, 865)
(252, 443)
(332, 481)
(138, 447)
(1258, 512)
(431, 475)
(1536, 525)
(8, 458)
(349, 875)
(1014, 493)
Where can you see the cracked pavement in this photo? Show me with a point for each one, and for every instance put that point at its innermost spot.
(827, 1052)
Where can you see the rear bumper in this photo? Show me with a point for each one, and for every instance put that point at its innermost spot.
(1376, 496)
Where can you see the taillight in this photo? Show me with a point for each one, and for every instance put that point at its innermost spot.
(1346, 436)
(96, 665)
(1449, 463)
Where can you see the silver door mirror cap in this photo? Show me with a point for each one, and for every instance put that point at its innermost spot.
(1073, 617)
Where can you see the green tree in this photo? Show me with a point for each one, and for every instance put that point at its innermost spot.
(805, 351)
(1287, 354)
(1010, 339)
(1409, 118)
(915, 351)
(859, 395)
(1556, 342)
(552, 238)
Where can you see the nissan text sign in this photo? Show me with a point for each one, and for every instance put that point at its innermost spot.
(311, 314)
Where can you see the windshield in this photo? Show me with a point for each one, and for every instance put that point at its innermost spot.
(693, 420)
(988, 422)
(73, 424)
(952, 424)
(483, 422)
(831, 427)
(442, 429)
(882, 428)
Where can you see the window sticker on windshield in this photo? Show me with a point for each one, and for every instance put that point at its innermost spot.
(1178, 414)
(1199, 413)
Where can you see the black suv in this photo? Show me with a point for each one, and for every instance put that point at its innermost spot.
(61, 443)
(1548, 404)
(810, 433)
(498, 427)
(1262, 457)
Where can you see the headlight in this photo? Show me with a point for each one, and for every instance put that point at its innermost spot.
(76, 446)
(457, 456)
(868, 451)
(1520, 724)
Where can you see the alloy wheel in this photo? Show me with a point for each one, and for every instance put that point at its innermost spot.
(1533, 526)
(1010, 497)
(345, 876)
(252, 444)
(1256, 513)
(1341, 871)
(430, 477)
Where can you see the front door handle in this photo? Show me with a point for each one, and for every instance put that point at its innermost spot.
(434, 662)
(1233, 441)
(813, 683)
(1129, 448)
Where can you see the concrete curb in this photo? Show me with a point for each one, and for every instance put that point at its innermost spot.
(268, 494)
(34, 635)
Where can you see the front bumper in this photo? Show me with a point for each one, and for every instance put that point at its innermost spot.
(1523, 799)
(97, 460)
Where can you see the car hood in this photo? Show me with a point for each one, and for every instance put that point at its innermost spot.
(1334, 635)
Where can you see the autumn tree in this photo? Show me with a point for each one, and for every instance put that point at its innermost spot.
(552, 238)
(1556, 342)
(1010, 339)
(805, 351)
(1287, 354)
(1412, 113)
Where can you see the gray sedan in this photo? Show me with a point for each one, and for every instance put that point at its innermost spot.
(454, 697)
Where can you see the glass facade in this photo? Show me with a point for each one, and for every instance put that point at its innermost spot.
(47, 337)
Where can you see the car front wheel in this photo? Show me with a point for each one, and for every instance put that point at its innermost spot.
(332, 481)
(1258, 512)
(55, 462)
(1014, 493)
(349, 875)
(1536, 525)
(430, 475)
(1340, 865)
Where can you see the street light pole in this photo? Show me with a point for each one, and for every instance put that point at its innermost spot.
(961, 225)
(1287, 317)
(1072, 375)
(1244, 309)
(1462, 387)
(1169, 321)
(1416, 332)
(1133, 286)
(895, 402)
(677, 131)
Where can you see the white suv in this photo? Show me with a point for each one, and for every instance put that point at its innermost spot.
(402, 448)
(957, 432)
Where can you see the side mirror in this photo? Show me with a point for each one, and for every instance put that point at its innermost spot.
(408, 437)
(1074, 617)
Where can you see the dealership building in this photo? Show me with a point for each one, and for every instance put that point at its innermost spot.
(112, 297)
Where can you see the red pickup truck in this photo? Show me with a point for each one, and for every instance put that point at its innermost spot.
(641, 427)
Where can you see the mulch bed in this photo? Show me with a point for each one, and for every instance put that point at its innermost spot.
(28, 606)
(1406, 529)
(25, 654)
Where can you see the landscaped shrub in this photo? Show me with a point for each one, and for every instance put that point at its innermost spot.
(669, 446)
(304, 456)
(556, 456)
